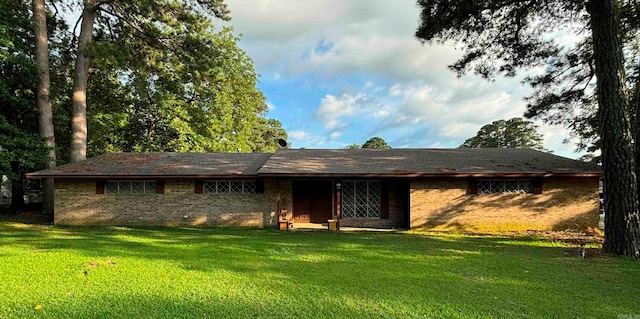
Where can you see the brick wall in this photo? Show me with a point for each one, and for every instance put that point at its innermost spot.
(565, 203)
(76, 203)
(435, 204)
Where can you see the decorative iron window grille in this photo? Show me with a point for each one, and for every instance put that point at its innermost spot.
(130, 187)
(361, 199)
(229, 187)
(504, 186)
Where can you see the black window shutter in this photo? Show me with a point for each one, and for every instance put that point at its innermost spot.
(384, 214)
(260, 186)
(473, 186)
(199, 185)
(100, 187)
(537, 185)
(160, 187)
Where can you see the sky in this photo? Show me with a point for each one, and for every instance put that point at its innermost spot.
(337, 72)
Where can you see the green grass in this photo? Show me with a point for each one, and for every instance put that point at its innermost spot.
(239, 273)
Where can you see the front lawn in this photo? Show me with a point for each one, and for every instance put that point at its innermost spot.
(58, 272)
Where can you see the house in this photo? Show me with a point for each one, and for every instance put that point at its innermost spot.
(464, 189)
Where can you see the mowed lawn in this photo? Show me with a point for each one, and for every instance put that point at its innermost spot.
(57, 272)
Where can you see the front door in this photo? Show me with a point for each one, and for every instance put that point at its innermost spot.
(312, 201)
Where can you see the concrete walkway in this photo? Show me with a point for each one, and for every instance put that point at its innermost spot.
(324, 227)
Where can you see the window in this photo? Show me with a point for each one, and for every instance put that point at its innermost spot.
(230, 187)
(130, 187)
(505, 186)
(361, 199)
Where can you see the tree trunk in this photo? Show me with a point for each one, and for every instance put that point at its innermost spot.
(622, 234)
(79, 98)
(45, 114)
(636, 134)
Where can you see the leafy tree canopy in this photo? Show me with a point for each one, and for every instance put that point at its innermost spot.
(376, 142)
(19, 150)
(353, 146)
(161, 79)
(502, 37)
(512, 133)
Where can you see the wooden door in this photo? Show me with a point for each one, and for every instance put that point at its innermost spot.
(301, 202)
(312, 201)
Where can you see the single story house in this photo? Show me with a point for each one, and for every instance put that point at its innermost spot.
(455, 189)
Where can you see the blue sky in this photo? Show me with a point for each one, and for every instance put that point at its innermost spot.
(339, 72)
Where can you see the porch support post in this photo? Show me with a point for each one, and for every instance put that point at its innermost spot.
(278, 203)
(338, 206)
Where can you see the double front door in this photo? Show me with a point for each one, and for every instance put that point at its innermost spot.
(312, 201)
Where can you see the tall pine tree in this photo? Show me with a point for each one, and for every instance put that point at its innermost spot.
(501, 37)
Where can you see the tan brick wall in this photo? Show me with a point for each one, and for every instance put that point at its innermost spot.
(565, 203)
(286, 197)
(76, 203)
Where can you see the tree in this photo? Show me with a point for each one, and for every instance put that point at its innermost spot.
(615, 136)
(79, 97)
(43, 98)
(512, 133)
(167, 82)
(200, 96)
(376, 142)
(21, 146)
(353, 146)
(500, 37)
(153, 24)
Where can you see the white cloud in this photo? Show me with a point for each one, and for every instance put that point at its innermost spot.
(421, 103)
(333, 108)
(381, 113)
(296, 33)
(298, 135)
(445, 113)
(421, 115)
(270, 106)
(395, 90)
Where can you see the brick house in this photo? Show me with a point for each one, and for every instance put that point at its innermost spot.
(462, 189)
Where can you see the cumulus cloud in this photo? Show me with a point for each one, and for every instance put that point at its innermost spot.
(333, 108)
(408, 93)
(335, 37)
(298, 135)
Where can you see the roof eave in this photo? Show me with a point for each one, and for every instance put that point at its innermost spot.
(198, 176)
(417, 175)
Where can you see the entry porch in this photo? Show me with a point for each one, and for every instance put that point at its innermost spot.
(361, 203)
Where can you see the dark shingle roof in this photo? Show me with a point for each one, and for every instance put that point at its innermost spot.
(425, 162)
(313, 162)
(161, 165)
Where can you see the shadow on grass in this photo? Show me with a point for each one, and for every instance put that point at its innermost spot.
(368, 274)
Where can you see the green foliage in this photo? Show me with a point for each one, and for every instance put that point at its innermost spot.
(18, 112)
(353, 146)
(512, 133)
(19, 150)
(500, 37)
(565, 93)
(376, 142)
(163, 80)
(17, 68)
(239, 273)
